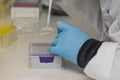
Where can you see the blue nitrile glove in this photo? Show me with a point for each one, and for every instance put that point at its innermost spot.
(68, 41)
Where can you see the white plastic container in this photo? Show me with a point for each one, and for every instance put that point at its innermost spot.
(26, 10)
(40, 57)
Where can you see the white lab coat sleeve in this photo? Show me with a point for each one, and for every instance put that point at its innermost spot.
(111, 18)
(101, 65)
(114, 30)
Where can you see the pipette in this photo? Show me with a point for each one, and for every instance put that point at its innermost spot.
(48, 18)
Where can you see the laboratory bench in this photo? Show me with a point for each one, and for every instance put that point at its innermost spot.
(14, 61)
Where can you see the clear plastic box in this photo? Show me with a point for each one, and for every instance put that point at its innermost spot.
(40, 57)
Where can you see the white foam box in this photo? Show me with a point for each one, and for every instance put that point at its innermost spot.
(40, 57)
(26, 10)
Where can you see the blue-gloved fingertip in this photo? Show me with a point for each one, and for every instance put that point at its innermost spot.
(62, 25)
(54, 43)
(52, 50)
(60, 22)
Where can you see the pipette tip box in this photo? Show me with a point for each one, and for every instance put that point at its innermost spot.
(40, 57)
(7, 36)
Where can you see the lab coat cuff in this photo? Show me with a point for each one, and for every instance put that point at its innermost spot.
(87, 52)
(100, 66)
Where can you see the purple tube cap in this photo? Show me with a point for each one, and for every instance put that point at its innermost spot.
(46, 58)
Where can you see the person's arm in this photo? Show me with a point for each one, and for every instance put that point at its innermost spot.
(100, 67)
(95, 57)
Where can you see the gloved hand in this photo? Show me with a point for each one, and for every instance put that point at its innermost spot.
(68, 41)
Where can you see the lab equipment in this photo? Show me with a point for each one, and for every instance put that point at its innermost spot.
(47, 29)
(27, 27)
(49, 14)
(26, 9)
(68, 35)
(26, 15)
(7, 28)
(40, 57)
